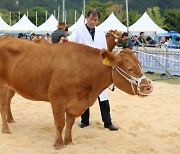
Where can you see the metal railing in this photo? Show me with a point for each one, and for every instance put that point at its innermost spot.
(168, 59)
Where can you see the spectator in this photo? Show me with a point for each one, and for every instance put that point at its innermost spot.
(179, 44)
(134, 40)
(142, 39)
(33, 36)
(20, 35)
(127, 43)
(57, 34)
(48, 37)
(151, 42)
(163, 42)
(66, 31)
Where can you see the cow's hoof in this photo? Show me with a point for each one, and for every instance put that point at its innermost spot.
(58, 147)
(68, 143)
(6, 132)
(11, 121)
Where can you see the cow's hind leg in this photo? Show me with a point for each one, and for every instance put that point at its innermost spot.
(3, 109)
(59, 121)
(68, 133)
(10, 95)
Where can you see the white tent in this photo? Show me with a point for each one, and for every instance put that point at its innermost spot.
(23, 25)
(112, 23)
(78, 23)
(48, 26)
(3, 25)
(145, 24)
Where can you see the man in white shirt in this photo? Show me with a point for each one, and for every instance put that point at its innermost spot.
(89, 35)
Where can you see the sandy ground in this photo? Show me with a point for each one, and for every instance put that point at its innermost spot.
(148, 125)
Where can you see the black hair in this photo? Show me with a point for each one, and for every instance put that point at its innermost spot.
(94, 13)
(148, 38)
(141, 33)
(66, 29)
(20, 35)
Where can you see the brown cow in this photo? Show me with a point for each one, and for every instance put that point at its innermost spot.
(113, 38)
(67, 75)
(40, 40)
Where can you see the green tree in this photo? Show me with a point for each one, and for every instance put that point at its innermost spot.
(5, 15)
(171, 19)
(155, 15)
(117, 9)
(70, 17)
(101, 7)
(41, 15)
(133, 17)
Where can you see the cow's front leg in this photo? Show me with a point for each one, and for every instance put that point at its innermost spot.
(68, 133)
(10, 94)
(5, 127)
(59, 121)
(3, 110)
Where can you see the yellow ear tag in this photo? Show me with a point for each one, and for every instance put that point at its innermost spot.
(105, 61)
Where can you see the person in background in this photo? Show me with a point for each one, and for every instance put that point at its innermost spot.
(134, 40)
(179, 44)
(151, 42)
(32, 37)
(20, 36)
(48, 37)
(142, 39)
(58, 33)
(127, 43)
(163, 42)
(89, 35)
(66, 31)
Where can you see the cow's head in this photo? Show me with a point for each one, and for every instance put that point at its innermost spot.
(127, 74)
(113, 38)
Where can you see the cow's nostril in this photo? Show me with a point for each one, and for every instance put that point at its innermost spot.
(148, 88)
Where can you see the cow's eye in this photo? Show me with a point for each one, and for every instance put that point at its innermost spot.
(129, 69)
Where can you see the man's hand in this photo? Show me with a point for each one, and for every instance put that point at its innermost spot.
(63, 39)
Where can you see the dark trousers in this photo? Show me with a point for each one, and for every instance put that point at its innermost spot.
(105, 113)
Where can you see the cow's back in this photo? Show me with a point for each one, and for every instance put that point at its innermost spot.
(33, 67)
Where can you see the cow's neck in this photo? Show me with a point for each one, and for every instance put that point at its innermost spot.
(104, 78)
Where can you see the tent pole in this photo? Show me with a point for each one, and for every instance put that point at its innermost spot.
(58, 12)
(36, 17)
(75, 16)
(127, 16)
(84, 4)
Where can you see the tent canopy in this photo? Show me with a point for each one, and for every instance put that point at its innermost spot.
(3, 25)
(78, 24)
(145, 24)
(23, 25)
(112, 23)
(48, 26)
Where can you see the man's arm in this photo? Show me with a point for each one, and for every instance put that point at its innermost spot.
(72, 38)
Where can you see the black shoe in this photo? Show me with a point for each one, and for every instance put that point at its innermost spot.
(82, 125)
(111, 127)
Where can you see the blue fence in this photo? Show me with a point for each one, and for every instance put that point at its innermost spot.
(158, 60)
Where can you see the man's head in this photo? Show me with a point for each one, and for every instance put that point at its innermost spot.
(125, 35)
(61, 25)
(149, 39)
(92, 18)
(20, 35)
(142, 34)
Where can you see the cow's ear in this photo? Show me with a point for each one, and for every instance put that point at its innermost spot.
(108, 57)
